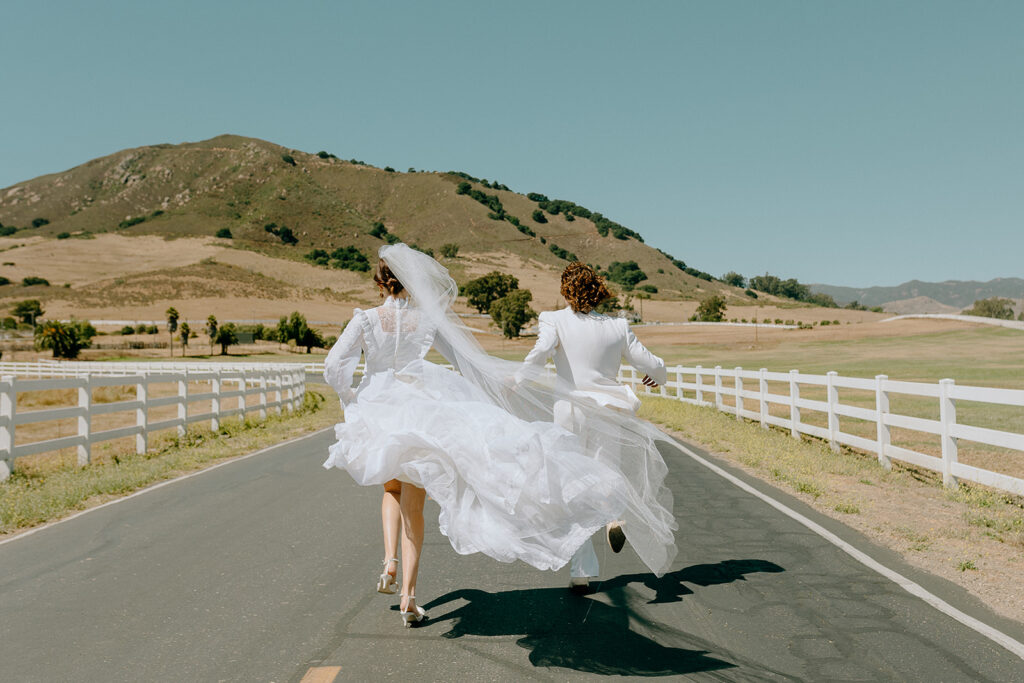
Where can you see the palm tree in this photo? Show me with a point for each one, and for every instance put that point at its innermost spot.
(172, 326)
(211, 330)
(185, 332)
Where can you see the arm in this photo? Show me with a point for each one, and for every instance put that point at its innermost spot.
(643, 360)
(341, 362)
(547, 342)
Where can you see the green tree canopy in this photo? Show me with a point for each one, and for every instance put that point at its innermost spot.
(65, 340)
(28, 310)
(735, 279)
(226, 335)
(512, 311)
(172, 325)
(994, 307)
(711, 309)
(483, 291)
(626, 273)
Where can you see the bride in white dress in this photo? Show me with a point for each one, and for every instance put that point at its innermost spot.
(481, 442)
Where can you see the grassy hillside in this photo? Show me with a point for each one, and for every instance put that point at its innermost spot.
(244, 185)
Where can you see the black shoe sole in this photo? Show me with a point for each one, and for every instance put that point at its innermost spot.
(616, 538)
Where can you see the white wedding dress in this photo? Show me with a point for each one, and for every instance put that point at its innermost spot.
(507, 487)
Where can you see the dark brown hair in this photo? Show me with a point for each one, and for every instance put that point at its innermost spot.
(386, 280)
(583, 288)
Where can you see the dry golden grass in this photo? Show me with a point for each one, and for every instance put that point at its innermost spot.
(49, 486)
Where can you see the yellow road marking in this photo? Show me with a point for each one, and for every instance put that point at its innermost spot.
(321, 674)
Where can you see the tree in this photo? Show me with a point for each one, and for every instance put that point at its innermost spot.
(449, 250)
(994, 307)
(226, 336)
(483, 291)
(28, 310)
(184, 332)
(34, 280)
(735, 279)
(296, 328)
(224, 233)
(211, 331)
(172, 325)
(127, 330)
(711, 309)
(538, 216)
(626, 273)
(512, 311)
(65, 340)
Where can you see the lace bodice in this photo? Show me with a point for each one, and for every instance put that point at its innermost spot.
(390, 336)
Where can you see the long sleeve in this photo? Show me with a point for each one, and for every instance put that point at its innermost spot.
(343, 358)
(444, 348)
(643, 360)
(547, 342)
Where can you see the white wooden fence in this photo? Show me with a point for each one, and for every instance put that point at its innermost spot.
(259, 388)
(747, 391)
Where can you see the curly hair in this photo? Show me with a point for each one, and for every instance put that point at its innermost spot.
(386, 280)
(583, 288)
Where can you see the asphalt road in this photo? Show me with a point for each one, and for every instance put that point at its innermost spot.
(263, 570)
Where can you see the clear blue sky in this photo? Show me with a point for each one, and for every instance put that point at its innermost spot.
(853, 143)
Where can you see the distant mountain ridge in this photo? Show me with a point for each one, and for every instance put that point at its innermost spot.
(959, 294)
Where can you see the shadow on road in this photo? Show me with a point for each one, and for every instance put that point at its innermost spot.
(563, 630)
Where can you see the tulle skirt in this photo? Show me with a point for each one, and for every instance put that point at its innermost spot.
(508, 488)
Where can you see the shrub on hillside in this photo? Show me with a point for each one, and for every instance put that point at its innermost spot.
(288, 159)
(63, 235)
(4, 281)
(127, 330)
(39, 222)
(129, 222)
(562, 253)
(650, 289)
(224, 233)
(463, 188)
(6, 230)
(449, 250)
(389, 169)
(349, 258)
(538, 216)
(735, 279)
(625, 273)
(34, 280)
(751, 293)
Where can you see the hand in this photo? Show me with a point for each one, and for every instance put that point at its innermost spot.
(648, 382)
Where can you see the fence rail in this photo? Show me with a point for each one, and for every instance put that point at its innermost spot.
(744, 393)
(251, 389)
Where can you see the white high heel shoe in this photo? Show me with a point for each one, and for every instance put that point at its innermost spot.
(387, 582)
(413, 616)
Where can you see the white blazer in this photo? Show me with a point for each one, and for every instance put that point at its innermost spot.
(588, 349)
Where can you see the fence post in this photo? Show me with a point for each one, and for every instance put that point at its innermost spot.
(764, 398)
(183, 403)
(794, 409)
(718, 387)
(8, 408)
(947, 415)
(243, 387)
(739, 392)
(277, 393)
(881, 410)
(632, 378)
(142, 414)
(700, 386)
(215, 401)
(263, 395)
(289, 378)
(832, 395)
(679, 383)
(84, 420)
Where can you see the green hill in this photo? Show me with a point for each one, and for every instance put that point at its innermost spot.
(261, 192)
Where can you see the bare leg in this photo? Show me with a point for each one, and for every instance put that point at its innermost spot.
(391, 516)
(413, 498)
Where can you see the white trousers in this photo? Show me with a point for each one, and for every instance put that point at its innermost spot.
(584, 561)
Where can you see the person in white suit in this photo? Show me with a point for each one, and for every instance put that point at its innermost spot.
(588, 347)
